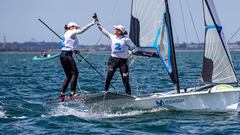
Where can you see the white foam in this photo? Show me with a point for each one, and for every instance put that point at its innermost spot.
(43, 115)
(2, 113)
(131, 113)
(20, 117)
(62, 110)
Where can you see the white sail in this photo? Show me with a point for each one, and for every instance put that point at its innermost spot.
(145, 22)
(151, 27)
(217, 63)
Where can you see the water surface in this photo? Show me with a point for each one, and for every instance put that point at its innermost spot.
(25, 85)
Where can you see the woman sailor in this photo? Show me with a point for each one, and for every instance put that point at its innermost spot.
(69, 43)
(120, 46)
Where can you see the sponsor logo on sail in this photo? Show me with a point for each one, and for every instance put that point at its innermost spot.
(169, 102)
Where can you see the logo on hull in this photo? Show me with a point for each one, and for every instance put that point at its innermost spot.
(169, 102)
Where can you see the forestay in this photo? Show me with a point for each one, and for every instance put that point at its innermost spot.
(217, 63)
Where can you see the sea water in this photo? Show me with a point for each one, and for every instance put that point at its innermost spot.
(25, 86)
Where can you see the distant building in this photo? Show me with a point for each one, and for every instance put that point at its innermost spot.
(4, 40)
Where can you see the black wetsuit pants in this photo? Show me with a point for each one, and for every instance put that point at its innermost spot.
(120, 63)
(70, 70)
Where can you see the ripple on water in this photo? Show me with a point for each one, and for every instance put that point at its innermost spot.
(25, 86)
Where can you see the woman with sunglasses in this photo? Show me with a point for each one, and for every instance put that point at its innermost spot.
(69, 43)
(120, 46)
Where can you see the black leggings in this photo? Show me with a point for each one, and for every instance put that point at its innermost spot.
(113, 64)
(70, 70)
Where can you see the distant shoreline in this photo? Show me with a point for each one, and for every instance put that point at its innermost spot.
(51, 52)
(89, 52)
(36, 47)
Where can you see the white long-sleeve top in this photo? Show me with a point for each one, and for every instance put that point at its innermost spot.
(70, 40)
(120, 45)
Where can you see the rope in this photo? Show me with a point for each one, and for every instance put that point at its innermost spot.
(92, 68)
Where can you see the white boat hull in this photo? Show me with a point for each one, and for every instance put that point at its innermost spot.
(214, 100)
(219, 100)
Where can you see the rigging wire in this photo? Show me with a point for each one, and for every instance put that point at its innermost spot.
(190, 13)
(109, 21)
(101, 35)
(183, 19)
(233, 35)
(197, 35)
(100, 38)
(175, 31)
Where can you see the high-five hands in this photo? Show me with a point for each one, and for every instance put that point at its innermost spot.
(95, 18)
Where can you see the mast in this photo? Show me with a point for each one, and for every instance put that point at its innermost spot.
(169, 24)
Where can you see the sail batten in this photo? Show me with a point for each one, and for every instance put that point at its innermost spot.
(217, 62)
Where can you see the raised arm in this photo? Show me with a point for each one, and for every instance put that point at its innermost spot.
(80, 31)
(104, 31)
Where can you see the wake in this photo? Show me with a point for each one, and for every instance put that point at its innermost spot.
(84, 112)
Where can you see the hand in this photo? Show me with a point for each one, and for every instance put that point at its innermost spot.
(95, 18)
(134, 50)
(77, 52)
(95, 21)
(130, 52)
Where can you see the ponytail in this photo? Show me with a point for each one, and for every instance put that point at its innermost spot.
(124, 33)
(66, 27)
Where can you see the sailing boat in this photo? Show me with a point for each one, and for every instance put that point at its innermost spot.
(217, 64)
(151, 31)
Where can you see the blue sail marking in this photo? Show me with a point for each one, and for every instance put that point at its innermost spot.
(155, 45)
(169, 50)
(151, 31)
(219, 28)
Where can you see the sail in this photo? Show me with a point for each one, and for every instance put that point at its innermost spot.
(217, 63)
(145, 21)
(151, 28)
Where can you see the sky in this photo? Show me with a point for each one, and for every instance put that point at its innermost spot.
(19, 18)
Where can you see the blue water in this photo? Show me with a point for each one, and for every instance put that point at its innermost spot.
(25, 85)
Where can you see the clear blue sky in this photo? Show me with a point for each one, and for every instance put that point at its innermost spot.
(19, 18)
